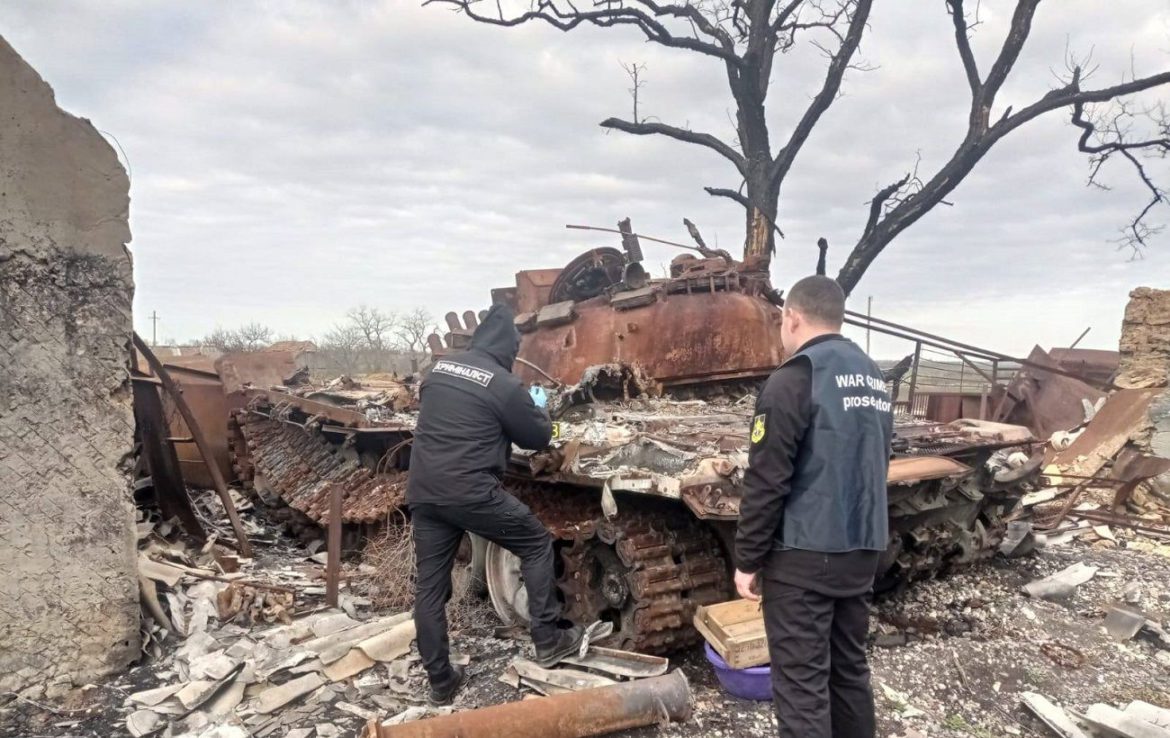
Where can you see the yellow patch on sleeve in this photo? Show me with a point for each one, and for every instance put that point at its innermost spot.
(758, 428)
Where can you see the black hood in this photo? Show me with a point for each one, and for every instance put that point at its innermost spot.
(497, 336)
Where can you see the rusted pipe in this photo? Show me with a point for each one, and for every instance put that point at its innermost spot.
(571, 715)
(333, 563)
(242, 543)
(534, 367)
(635, 235)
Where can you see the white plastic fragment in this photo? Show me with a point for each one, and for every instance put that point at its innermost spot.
(1062, 584)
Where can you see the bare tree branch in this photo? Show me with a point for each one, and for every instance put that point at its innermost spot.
(1103, 137)
(963, 41)
(981, 137)
(679, 134)
(695, 15)
(729, 194)
(878, 202)
(634, 71)
(828, 92)
(1018, 31)
(1071, 94)
(550, 12)
(745, 36)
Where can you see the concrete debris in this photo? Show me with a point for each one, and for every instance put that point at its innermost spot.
(1113, 722)
(353, 663)
(360, 712)
(1152, 714)
(1123, 623)
(276, 697)
(272, 667)
(407, 716)
(1062, 584)
(899, 702)
(152, 697)
(1052, 716)
(143, 722)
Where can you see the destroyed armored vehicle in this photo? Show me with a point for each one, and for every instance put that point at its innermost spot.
(652, 384)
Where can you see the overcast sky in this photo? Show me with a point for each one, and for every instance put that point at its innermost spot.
(290, 160)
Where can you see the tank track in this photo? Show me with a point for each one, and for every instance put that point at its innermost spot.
(302, 467)
(647, 570)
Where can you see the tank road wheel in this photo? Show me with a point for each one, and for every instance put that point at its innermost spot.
(646, 572)
(477, 568)
(505, 585)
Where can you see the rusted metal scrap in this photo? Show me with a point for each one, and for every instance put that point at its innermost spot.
(572, 715)
(1046, 401)
(162, 463)
(242, 543)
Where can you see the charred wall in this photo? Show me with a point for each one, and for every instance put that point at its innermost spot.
(68, 587)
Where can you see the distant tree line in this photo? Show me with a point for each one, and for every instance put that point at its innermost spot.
(367, 340)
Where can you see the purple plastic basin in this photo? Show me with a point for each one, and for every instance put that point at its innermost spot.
(753, 683)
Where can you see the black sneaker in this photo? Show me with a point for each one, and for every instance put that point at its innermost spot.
(446, 695)
(568, 643)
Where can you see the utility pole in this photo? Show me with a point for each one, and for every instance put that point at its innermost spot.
(868, 316)
(153, 328)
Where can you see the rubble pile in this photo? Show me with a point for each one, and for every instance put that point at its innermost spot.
(992, 644)
(247, 646)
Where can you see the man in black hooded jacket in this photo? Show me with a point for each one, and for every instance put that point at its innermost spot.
(473, 409)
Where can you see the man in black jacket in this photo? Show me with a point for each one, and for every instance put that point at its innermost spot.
(473, 409)
(813, 519)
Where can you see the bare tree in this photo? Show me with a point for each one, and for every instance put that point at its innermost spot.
(375, 326)
(903, 202)
(254, 336)
(344, 345)
(745, 36)
(222, 339)
(413, 329)
(250, 337)
(634, 71)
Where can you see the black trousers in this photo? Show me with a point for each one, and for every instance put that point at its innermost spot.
(816, 614)
(438, 530)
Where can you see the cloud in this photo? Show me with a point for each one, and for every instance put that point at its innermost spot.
(293, 159)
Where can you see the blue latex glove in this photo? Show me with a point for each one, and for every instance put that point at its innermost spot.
(538, 395)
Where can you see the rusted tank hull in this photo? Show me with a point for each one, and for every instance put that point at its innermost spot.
(677, 339)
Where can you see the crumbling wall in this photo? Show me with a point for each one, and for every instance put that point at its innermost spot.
(1145, 340)
(68, 586)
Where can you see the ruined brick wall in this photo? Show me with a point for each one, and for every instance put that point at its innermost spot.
(68, 587)
(1145, 340)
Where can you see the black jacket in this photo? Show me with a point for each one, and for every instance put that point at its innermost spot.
(473, 408)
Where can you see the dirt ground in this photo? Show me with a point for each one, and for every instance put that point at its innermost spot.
(950, 657)
(973, 643)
